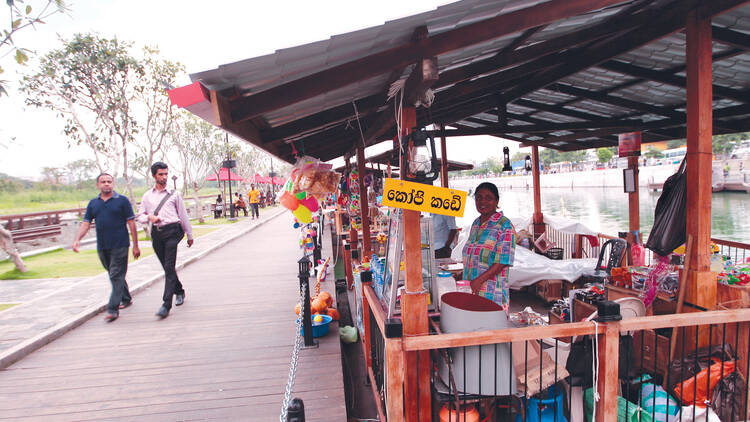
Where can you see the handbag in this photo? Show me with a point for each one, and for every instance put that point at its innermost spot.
(670, 215)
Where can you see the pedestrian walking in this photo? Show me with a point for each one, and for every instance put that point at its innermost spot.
(254, 198)
(165, 211)
(113, 216)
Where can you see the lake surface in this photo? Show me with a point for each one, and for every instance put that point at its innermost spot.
(606, 209)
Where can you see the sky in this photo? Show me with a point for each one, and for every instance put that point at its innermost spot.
(201, 35)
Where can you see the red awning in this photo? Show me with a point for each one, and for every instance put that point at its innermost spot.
(194, 98)
(225, 174)
(278, 180)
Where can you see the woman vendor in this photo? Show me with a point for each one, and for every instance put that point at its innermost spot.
(489, 250)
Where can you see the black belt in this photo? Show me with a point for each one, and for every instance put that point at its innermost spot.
(167, 226)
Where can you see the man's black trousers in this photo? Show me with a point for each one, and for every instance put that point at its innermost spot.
(165, 240)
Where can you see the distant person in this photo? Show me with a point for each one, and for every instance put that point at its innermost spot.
(113, 215)
(240, 204)
(166, 211)
(219, 206)
(253, 197)
(445, 231)
(269, 197)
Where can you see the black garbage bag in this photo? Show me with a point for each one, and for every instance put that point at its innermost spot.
(728, 398)
(687, 367)
(580, 358)
(670, 214)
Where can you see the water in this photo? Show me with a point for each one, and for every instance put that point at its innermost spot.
(605, 210)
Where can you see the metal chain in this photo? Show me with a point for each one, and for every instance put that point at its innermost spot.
(295, 356)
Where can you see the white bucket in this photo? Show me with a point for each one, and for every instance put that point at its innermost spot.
(489, 368)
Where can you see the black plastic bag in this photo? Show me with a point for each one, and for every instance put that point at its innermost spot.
(728, 398)
(668, 231)
(581, 355)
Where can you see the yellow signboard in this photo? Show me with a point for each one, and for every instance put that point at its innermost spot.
(421, 197)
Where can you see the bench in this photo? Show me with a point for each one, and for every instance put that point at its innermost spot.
(21, 235)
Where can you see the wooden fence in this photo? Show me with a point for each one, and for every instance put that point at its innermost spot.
(385, 352)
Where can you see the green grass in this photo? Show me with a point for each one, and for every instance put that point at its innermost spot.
(38, 200)
(4, 306)
(60, 263)
(212, 221)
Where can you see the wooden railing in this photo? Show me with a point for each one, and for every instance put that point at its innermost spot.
(48, 218)
(729, 328)
(736, 251)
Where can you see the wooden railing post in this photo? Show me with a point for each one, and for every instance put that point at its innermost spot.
(348, 265)
(366, 282)
(606, 408)
(394, 356)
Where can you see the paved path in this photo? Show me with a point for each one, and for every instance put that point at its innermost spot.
(224, 355)
(50, 307)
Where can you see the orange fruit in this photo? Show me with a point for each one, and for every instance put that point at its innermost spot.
(333, 313)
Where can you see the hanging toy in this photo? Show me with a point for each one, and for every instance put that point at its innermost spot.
(288, 201)
(296, 224)
(381, 237)
(303, 214)
(309, 244)
(311, 203)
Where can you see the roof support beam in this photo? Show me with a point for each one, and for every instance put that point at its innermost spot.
(675, 16)
(617, 101)
(669, 78)
(729, 37)
(624, 125)
(342, 75)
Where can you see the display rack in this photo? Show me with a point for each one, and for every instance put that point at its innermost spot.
(394, 274)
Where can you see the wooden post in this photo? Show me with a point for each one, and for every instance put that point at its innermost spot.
(701, 281)
(414, 306)
(606, 408)
(538, 217)
(443, 158)
(348, 265)
(395, 380)
(366, 324)
(634, 215)
(364, 208)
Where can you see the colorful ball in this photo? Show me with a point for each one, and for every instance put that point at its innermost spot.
(303, 214)
(311, 203)
(288, 201)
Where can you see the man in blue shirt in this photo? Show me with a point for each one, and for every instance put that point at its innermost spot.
(112, 213)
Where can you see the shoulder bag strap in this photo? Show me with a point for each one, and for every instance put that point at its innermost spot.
(161, 204)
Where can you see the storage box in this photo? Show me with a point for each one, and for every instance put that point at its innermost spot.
(548, 290)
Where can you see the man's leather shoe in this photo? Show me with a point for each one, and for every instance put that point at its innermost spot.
(110, 317)
(179, 299)
(162, 312)
(124, 305)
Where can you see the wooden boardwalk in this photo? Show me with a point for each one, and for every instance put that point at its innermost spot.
(224, 355)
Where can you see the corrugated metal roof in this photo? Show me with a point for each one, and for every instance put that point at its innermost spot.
(548, 104)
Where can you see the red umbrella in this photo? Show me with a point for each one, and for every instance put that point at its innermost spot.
(278, 180)
(225, 174)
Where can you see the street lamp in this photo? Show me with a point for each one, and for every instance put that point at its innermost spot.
(272, 174)
(174, 181)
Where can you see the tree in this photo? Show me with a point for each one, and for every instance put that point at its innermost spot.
(675, 143)
(91, 82)
(652, 152)
(199, 150)
(53, 175)
(722, 145)
(159, 75)
(80, 171)
(604, 155)
(23, 15)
